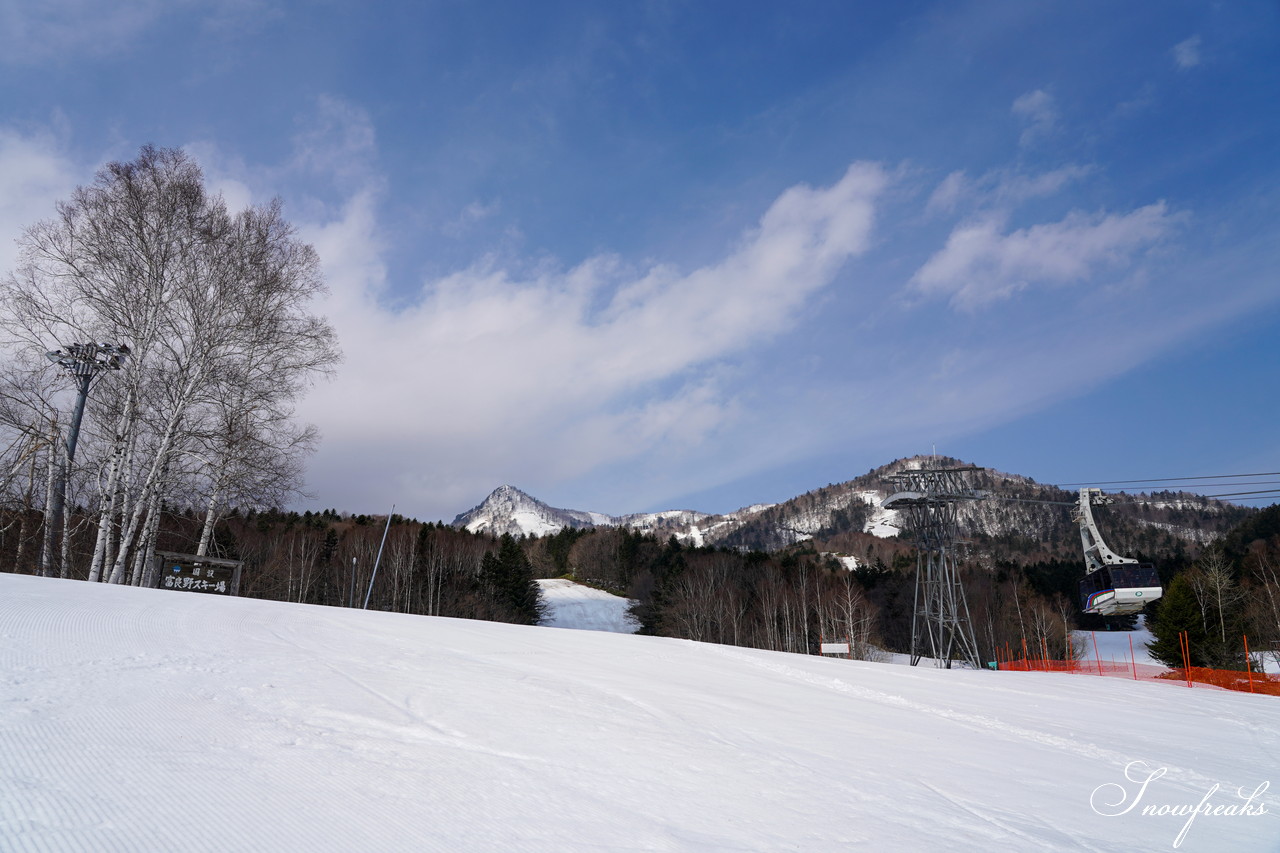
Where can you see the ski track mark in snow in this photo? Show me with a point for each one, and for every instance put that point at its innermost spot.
(343, 724)
(978, 721)
(1009, 824)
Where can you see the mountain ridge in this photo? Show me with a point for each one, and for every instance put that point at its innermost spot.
(1024, 517)
(508, 509)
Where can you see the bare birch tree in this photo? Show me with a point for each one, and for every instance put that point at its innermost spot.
(215, 309)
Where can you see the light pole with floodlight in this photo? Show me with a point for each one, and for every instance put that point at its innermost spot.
(83, 362)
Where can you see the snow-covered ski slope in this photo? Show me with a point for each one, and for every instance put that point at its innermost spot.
(1119, 647)
(573, 605)
(151, 720)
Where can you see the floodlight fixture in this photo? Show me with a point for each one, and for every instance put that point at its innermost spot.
(88, 360)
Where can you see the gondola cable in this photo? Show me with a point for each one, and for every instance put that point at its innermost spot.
(1175, 479)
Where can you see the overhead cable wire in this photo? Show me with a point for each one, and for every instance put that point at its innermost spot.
(1269, 492)
(1029, 501)
(1143, 497)
(1214, 485)
(1260, 494)
(1175, 479)
(1174, 498)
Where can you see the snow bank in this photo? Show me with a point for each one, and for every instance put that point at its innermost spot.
(137, 719)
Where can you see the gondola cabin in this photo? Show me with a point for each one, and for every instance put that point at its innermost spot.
(1112, 585)
(1119, 590)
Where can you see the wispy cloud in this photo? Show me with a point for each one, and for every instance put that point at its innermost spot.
(473, 213)
(980, 263)
(1039, 111)
(999, 189)
(1186, 54)
(71, 30)
(336, 141)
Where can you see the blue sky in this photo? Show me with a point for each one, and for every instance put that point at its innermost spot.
(645, 255)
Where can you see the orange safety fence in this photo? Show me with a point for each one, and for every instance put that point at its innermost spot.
(1229, 679)
(1247, 680)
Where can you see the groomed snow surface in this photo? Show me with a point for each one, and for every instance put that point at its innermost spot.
(1119, 647)
(153, 720)
(572, 605)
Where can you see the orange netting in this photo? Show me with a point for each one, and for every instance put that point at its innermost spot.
(1227, 679)
(1224, 679)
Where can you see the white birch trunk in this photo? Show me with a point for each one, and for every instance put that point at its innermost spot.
(210, 519)
(46, 546)
(123, 505)
(64, 553)
(158, 465)
(121, 455)
(145, 552)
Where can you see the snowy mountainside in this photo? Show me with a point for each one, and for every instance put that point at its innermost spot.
(672, 521)
(1020, 517)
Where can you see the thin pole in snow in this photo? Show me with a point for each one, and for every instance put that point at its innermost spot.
(378, 561)
(1184, 640)
(1248, 662)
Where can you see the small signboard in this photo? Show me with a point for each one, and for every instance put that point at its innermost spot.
(835, 648)
(191, 573)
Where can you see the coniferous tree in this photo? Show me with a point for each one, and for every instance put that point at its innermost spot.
(329, 592)
(508, 579)
(1179, 611)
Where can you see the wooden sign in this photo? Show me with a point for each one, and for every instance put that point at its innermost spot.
(190, 573)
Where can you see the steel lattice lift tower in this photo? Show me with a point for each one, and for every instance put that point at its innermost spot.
(929, 499)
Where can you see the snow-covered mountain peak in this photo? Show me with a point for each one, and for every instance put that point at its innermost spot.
(509, 510)
(509, 498)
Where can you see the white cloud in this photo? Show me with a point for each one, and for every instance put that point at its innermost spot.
(34, 176)
(949, 194)
(1186, 54)
(334, 155)
(336, 141)
(474, 212)
(62, 30)
(981, 264)
(494, 374)
(223, 175)
(1041, 114)
(999, 189)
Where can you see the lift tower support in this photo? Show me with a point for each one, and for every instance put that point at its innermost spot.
(928, 499)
